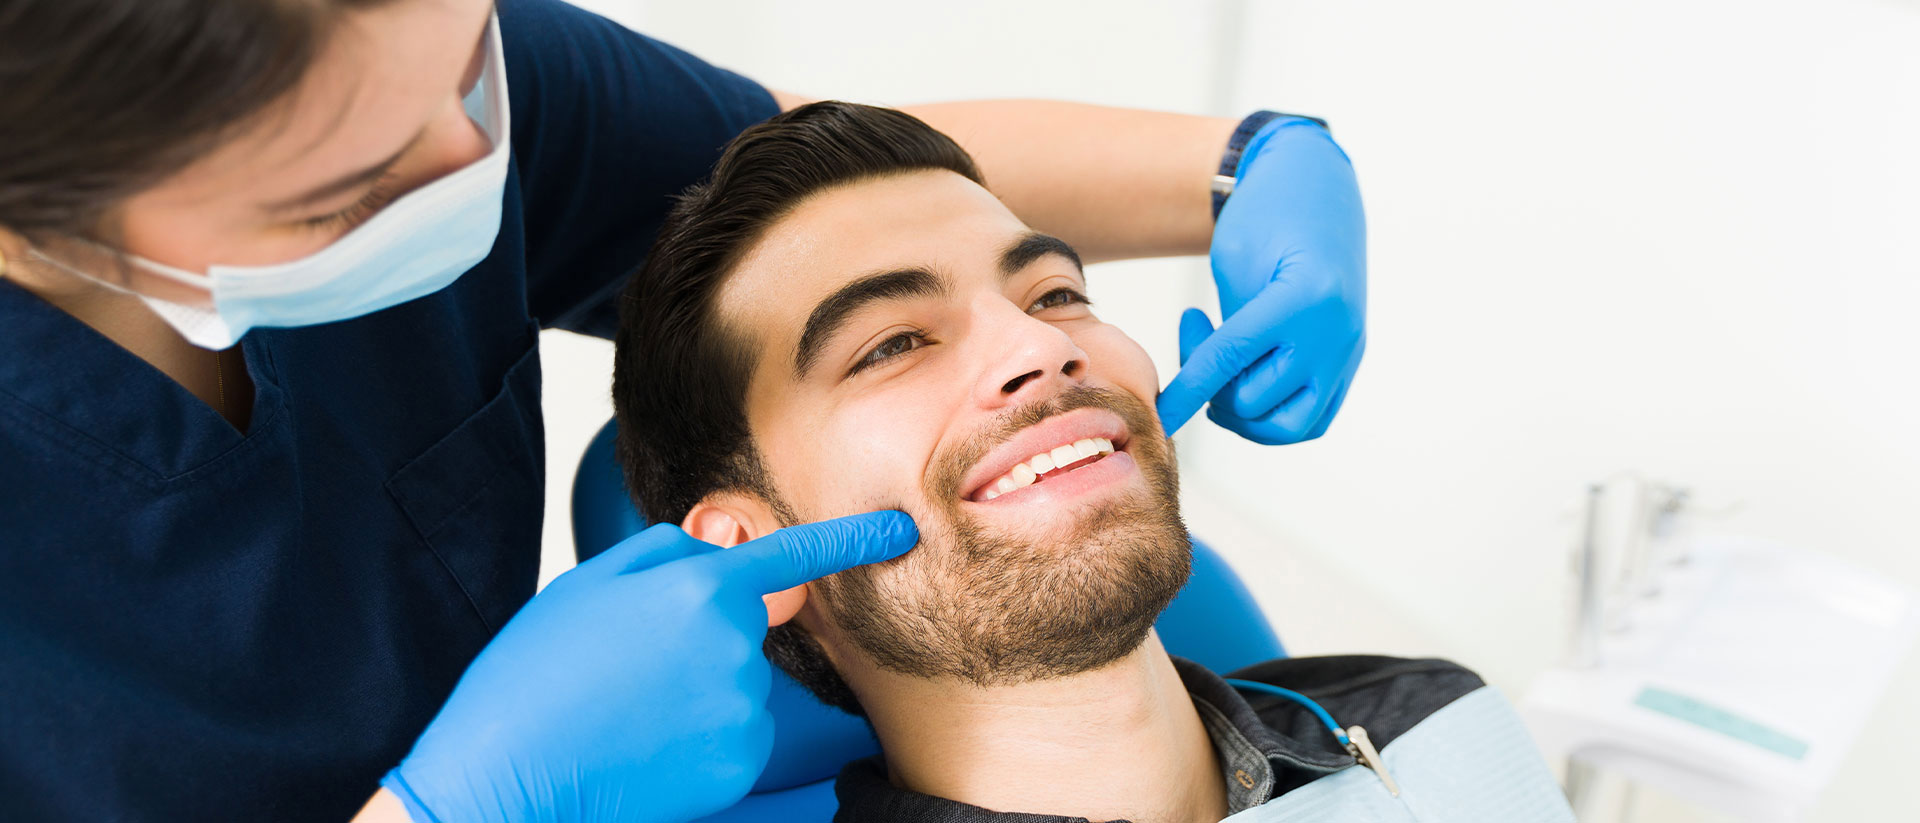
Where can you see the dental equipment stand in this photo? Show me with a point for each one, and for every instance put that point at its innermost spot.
(1732, 673)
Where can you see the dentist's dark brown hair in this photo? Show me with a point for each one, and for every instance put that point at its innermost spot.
(100, 99)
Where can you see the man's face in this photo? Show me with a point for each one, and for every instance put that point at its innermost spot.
(919, 348)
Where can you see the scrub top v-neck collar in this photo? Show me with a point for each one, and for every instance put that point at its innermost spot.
(72, 382)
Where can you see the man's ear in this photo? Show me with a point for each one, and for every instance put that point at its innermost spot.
(727, 520)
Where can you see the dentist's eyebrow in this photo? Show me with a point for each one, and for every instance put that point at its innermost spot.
(1032, 246)
(832, 313)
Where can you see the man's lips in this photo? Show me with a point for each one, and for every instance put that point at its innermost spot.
(1045, 437)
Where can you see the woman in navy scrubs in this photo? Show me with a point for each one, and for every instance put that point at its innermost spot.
(271, 274)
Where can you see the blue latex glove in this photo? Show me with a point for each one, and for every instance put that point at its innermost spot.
(633, 688)
(1290, 261)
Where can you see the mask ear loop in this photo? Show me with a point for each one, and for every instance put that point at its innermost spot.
(43, 257)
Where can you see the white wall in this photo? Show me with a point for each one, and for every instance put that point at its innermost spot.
(1670, 237)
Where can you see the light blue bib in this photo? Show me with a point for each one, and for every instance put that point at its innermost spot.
(1471, 762)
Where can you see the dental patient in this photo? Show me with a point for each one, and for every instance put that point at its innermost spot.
(844, 319)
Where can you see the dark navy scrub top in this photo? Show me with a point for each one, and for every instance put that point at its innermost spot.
(202, 624)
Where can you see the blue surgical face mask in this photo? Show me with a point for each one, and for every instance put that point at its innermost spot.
(417, 245)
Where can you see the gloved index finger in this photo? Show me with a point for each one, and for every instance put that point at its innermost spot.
(1207, 364)
(810, 551)
(1179, 402)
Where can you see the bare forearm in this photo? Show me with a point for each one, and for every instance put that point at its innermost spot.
(1116, 183)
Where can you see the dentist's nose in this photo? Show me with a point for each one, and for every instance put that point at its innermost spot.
(1031, 359)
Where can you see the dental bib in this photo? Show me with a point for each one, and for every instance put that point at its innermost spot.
(1470, 762)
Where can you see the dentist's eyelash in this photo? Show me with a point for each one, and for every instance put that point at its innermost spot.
(1062, 296)
(888, 349)
(377, 197)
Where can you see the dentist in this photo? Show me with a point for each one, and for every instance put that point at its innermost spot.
(271, 277)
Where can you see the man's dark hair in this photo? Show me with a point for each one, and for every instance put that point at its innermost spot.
(680, 375)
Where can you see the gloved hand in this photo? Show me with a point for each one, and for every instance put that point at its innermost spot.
(1290, 260)
(633, 688)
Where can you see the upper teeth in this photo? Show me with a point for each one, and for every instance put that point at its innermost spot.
(1058, 457)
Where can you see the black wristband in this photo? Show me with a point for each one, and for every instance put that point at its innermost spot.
(1237, 144)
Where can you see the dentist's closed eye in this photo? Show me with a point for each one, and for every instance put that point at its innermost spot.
(1062, 296)
(888, 349)
(378, 196)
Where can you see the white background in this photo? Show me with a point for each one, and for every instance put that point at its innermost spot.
(1675, 238)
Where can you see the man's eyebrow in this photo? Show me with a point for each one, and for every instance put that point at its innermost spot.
(832, 313)
(341, 184)
(1032, 246)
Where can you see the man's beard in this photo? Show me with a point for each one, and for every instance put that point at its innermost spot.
(991, 608)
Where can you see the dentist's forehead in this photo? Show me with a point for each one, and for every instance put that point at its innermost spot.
(367, 94)
(935, 220)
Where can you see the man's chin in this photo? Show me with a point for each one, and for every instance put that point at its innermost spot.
(1052, 599)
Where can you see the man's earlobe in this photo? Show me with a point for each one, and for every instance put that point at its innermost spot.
(727, 522)
(783, 605)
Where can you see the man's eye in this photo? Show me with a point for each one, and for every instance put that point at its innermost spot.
(1062, 296)
(890, 348)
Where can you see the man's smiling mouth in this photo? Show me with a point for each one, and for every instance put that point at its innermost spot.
(1050, 463)
(1049, 451)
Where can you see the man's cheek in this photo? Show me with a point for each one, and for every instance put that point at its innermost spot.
(869, 470)
(1119, 360)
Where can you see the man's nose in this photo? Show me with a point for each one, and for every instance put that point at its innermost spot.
(1028, 360)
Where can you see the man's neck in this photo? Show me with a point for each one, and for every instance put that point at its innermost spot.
(1122, 742)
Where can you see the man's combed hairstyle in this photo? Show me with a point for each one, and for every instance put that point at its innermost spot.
(680, 377)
